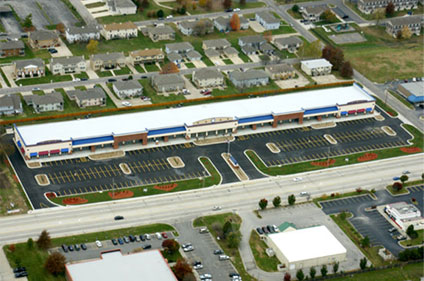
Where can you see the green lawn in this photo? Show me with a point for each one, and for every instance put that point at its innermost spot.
(95, 5)
(139, 191)
(43, 80)
(82, 75)
(263, 261)
(295, 15)
(106, 73)
(218, 8)
(139, 68)
(414, 242)
(234, 254)
(157, 97)
(122, 71)
(151, 67)
(401, 99)
(385, 107)
(34, 259)
(189, 65)
(284, 29)
(227, 61)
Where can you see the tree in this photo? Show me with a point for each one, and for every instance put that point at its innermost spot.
(328, 16)
(227, 4)
(182, 10)
(312, 50)
(242, 3)
(390, 10)
(334, 55)
(346, 71)
(60, 27)
(397, 186)
(295, 8)
(292, 199)
(404, 178)
(209, 5)
(202, 3)
(44, 242)
(181, 269)
(363, 263)
(235, 22)
(234, 239)
(6, 148)
(170, 67)
(227, 228)
(300, 275)
(342, 216)
(287, 277)
(379, 14)
(145, 4)
(276, 201)
(55, 263)
(170, 245)
(28, 21)
(336, 267)
(324, 270)
(422, 176)
(406, 32)
(217, 227)
(30, 243)
(189, 277)
(160, 13)
(411, 232)
(92, 46)
(312, 272)
(268, 36)
(365, 242)
(263, 203)
(12, 248)
(202, 27)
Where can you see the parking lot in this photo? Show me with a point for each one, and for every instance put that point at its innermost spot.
(371, 223)
(348, 38)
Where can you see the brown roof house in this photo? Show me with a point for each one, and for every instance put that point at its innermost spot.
(124, 30)
(146, 56)
(12, 49)
(42, 39)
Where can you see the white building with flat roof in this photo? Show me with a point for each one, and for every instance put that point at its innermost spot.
(316, 67)
(113, 266)
(307, 247)
(404, 214)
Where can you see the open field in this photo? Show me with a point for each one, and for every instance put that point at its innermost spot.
(258, 247)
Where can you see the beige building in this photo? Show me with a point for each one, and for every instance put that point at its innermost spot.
(42, 39)
(29, 68)
(280, 71)
(146, 56)
(396, 25)
(89, 97)
(107, 61)
(65, 65)
(316, 67)
(161, 33)
(124, 30)
(203, 78)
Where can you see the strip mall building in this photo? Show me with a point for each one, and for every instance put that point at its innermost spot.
(190, 122)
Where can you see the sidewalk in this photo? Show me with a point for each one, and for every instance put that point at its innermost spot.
(6, 272)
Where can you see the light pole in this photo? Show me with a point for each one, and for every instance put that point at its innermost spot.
(228, 147)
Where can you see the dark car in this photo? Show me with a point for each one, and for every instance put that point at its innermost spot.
(147, 246)
(77, 247)
(84, 79)
(126, 240)
(19, 269)
(64, 248)
(52, 51)
(218, 252)
(132, 238)
(142, 237)
(114, 242)
(259, 230)
(234, 275)
(120, 241)
(71, 248)
(111, 80)
(143, 76)
(117, 218)
(21, 274)
(83, 246)
(229, 10)
(270, 229)
(345, 17)
(265, 230)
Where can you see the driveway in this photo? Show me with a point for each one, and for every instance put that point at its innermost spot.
(292, 83)
(62, 50)
(236, 60)
(8, 71)
(326, 79)
(199, 63)
(255, 58)
(256, 26)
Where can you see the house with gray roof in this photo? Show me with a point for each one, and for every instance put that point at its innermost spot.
(251, 40)
(29, 68)
(5, 11)
(127, 89)
(212, 54)
(107, 61)
(268, 20)
(291, 43)
(10, 104)
(205, 77)
(179, 48)
(230, 52)
(370, 6)
(223, 23)
(66, 65)
(168, 82)
(248, 50)
(267, 49)
(175, 58)
(313, 13)
(190, 27)
(86, 33)
(194, 55)
(86, 98)
(281, 71)
(43, 39)
(161, 33)
(122, 7)
(249, 78)
(12, 48)
(43, 103)
(394, 26)
(216, 44)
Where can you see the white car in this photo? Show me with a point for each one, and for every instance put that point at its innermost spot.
(304, 193)
(76, 79)
(236, 10)
(223, 257)
(170, 17)
(126, 103)
(216, 208)
(297, 179)
(99, 244)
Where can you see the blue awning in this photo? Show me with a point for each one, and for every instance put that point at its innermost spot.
(369, 109)
(415, 99)
(343, 113)
(19, 143)
(64, 150)
(33, 154)
(256, 119)
(166, 131)
(92, 140)
(321, 110)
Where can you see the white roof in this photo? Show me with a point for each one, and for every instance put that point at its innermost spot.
(146, 266)
(316, 63)
(173, 117)
(307, 243)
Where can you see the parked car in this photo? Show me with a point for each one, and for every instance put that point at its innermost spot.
(64, 248)
(120, 241)
(126, 239)
(393, 229)
(99, 244)
(83, 246)
(203, 230)
(223, 257)
(126, 103)
(234, 275)
(297, 179)
(275, 228)
(229, 10)
(36, 89)
(406, 172)
(185, 245)
(110, 80)
(188, 249)
(265, 230)
(71, 248)
(396, 178)
(259, 230)
(84, 79)
(142, 238)
(19, 269)
(164, 235)
(345, 17)
(270, 229)
(197, 265)
(132, 238)
(77, 247)
(170, 17)
(304, 193)
(21, 274)
(147, 236)
(218, 252)
(216, 208)
(146, 246)
(237, 10)
(52, 51)
(205, 276)
(114, 241)
(117, 218)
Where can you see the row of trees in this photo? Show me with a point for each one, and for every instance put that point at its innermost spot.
(263, 203)
(300, 275)
(336, 57)
(229, 233)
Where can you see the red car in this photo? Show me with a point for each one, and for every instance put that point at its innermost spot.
(164, 235)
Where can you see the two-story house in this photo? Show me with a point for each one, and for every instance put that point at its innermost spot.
(124, 30)
(43, 39)
(394, 26)
(205, 77)
(146, 56)
(216, 44)
(180, 48)
(82, 34)
(127, 89)
(29, 68)
(161, 33)
(290, 44)
(268, 20)
(193, 27)
(313, 13)
(251, 44)
(10, 104)
(66, 65)
(107, 61)
(248, 78)
(222, 24)
(281, 71)
(370, 6)
(12, 49)
(43, 103)
(168, 82)
(90, 97)
(316, 67)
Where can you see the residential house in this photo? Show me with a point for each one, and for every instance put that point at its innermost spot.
(290, 44)
(90, 97)
(147, 56)
(107, 61)
(175, 58)
(121, 7)
(44, 103)
(267, 49)
(82, 34)
(249, 50)
(181, 48)
(66, 65)
(42, 39)
(268, 20)
(249, 78)
(194, 55)
(10, 104)
(370, 6)
(252, 40)
(230, 52)
(189, 27)
(124, 30)
(5, 11)
(216, 44)
(212, 54)
(168, 82)
(205, 77)
(316, 67)
(312, 13)
(127, 89)
(394, 26)
(12, 49)
(159, 33)
(29, 68)
(280, 71)
(223, 24)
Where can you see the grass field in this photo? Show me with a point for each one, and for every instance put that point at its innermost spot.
(414, 242)
(263, 261)
(401, 99)
(34, 259)
(11, 192)
(43, 80)
(122, 71)
(157, 97)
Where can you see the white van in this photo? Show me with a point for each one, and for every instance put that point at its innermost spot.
(158, 236)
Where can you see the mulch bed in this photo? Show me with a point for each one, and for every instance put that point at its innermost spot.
(50, 195)
(121, 194)
(325, 163)
(412, 149)
(367, 157)
(166, 187)
(74, 201)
